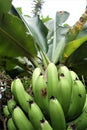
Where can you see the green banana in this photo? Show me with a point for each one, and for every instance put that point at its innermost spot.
(56, 115)
(80, 123)
(11, 104)
(20, 95)
(74, 75)
(40, 93)
(20, 119)
(78, 97)
(52, 80)
(35, 114)
(10, 124)
(45, 125)
(64, 87)
(6, 111)
(35, 75)
(85, 102)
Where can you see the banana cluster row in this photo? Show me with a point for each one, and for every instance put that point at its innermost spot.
(58, 102)
(22, 112)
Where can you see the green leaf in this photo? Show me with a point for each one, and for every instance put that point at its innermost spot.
(37, 29)
(78, 60)
(14, 40)
(5, 6)
(79, 67)
(50, 25)
(59, 35)
(72, 46)
(58, 51)
(39, 32)
(16, 66)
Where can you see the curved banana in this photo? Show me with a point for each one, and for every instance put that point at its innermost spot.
(78, 97)
(20, 95)
(56, 115)
(20, 119)
(6, 111)
(10, 124)
(64, 87)
(74, 75)
(52, 80)
(35, 114)
(11, 104)
(45, 125)
(35, 75)
(80, 123)
(40, 94)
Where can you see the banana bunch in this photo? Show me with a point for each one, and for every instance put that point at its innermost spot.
(58, 101)
(65, 86)
(22, 112)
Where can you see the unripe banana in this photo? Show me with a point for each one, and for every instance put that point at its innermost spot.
(64, 87)
(35, 75)
(45, 125)
(11, 104)
(35, 114)
(74, 75)
(40, 94)
(85, 102)
(56, 115)
(52, 80)
(80, 123)
(20, 95)
(20, 120)
(10, 124)
(6, 111)
(78, 97)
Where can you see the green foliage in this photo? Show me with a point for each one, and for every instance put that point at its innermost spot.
(4, 7)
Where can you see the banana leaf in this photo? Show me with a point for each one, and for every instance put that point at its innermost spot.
(14, 39)
(58, 33)
(72, 46)
(78, 60)
(13, 67)
(4, 7)
(13, 35)
(38, 30)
